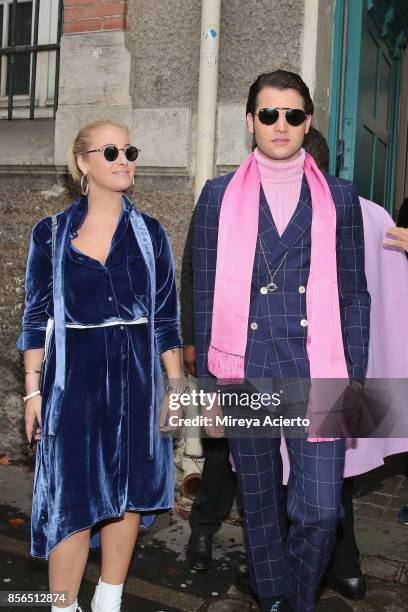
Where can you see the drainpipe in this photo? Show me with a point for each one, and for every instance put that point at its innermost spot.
(193, 461)
(207, 93)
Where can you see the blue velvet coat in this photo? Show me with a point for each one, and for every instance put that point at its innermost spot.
(100, 452)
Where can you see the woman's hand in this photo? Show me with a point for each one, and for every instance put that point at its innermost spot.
(401, 238)
(33, 412)
(33, 362)
(170, 409)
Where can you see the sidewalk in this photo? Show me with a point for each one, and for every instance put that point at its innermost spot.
(161, 581)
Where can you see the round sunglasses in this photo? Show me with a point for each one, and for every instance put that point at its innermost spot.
(111, 152)
(269, 116)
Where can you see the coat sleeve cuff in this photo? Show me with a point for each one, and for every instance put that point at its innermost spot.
(31, 339)
(167, 336)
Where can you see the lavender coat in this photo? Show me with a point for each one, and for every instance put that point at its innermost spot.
(387, 280)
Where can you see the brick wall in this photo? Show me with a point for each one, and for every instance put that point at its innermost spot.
(94, 15)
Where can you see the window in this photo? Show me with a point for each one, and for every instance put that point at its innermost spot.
(28, 77)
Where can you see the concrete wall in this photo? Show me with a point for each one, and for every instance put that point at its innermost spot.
(163, 39)
(321, 96)
(252, 40)
(255, 37)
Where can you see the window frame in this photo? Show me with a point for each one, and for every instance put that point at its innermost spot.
(46, 61)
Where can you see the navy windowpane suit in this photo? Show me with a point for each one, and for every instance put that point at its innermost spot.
(284, 561)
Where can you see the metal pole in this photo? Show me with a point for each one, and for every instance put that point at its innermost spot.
(207, 92)
(57, 56)
(10, 63)
(18, 49)
(34, 59)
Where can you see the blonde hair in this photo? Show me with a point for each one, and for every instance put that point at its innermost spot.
(81, 143)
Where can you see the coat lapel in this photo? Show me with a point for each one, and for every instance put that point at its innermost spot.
(274, 245)
(267, 228)
(144, 241)
(62, 238)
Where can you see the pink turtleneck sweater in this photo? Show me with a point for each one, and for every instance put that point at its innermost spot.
(281, 182)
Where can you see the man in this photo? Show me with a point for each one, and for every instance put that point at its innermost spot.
(252, 258)
(217, 488)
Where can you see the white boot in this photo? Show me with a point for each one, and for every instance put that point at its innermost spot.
(107, 597)
(72, 608)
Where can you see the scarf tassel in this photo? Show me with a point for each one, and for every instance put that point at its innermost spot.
(227, 367)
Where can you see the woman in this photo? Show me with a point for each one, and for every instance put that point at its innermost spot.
(101, 305)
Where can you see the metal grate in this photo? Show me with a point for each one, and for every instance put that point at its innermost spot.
(13, 51)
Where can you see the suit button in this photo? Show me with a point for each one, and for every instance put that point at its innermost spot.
(254, 326)
(304, 323)
(302, 289)
(263, 290)
(110, 298)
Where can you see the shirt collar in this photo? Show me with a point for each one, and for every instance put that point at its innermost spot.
(81, 209)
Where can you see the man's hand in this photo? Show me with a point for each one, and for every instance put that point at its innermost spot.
(401, 238)
(211, 411)
(341, 420)
(189, 359)
(353, 407)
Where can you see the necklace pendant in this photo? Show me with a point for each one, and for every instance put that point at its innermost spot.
(271, 287)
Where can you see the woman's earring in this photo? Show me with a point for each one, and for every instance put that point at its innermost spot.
(84, 188)
(132, 185)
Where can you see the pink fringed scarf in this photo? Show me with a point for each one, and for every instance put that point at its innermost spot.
(237, 235)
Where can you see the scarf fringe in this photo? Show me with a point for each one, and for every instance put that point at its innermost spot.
(225, 366)
(322, 439)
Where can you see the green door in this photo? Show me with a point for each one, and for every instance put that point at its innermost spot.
(366, 79)
(373, 132)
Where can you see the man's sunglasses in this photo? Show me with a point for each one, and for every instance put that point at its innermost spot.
(111, 152)
(269, 116)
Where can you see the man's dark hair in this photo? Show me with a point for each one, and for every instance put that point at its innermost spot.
(315, 143)
(279, 79)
